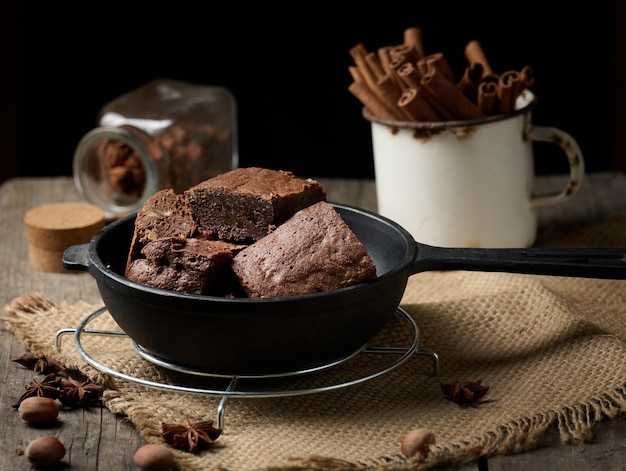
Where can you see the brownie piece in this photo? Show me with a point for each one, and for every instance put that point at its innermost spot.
(164, 214)
(315, 250)
(246, 204)
(183, 265)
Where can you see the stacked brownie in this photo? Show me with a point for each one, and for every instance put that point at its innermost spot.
(251, 232)
(312, 251)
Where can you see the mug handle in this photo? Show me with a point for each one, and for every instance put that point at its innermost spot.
(574, 157)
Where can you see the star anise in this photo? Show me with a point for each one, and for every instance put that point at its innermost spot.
(39, 363)
(464, 392)
(192, 436)
(74, 393)
(50, 386)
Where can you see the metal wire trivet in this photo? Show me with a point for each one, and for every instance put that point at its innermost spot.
(263, 385)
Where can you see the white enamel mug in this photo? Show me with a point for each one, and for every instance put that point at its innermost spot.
(467, 183)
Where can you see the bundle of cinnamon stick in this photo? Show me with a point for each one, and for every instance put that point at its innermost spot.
(401, 83)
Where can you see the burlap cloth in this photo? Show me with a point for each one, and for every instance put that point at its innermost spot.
(551, 349)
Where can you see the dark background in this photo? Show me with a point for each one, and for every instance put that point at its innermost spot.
(288, 70)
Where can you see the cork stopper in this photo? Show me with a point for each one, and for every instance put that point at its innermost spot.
(51, 228)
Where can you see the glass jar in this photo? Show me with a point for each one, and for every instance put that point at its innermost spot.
(165, 134)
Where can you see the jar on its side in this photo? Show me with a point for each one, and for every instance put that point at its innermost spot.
(165, 134)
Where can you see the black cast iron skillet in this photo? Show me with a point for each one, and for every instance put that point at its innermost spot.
(281, 335)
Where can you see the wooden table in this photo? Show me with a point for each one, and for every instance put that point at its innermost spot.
(96, 439)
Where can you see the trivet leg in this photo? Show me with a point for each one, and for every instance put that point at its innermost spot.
(222, 405)
(435, 357)
(59, 335)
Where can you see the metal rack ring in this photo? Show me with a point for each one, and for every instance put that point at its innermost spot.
(230, 390)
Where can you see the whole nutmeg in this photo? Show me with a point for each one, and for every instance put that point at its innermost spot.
(44, 451)
(38, 410)
(416, 441)
(153, 457)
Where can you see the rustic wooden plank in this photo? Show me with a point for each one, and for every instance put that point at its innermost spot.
(601, 195)
(606, 451)
(94, 438)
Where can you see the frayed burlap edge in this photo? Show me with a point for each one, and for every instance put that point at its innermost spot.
(574, 423)
(18, 311)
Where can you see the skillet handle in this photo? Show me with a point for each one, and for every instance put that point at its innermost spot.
(587, 263)
(75, 257)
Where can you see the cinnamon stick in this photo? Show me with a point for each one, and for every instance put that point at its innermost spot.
(450, 97)
(527, 77)
(358, 53)
(396, 62)
(488, 97)
(470, 80)
(507, 86)
(372, 101)
(372, 61)
(511, 84)
(381, 80)
(409, 75)
(413, 102)
(355, 73)
(407, 51)
(413, 37)
(390, 92)
(384, 58)
(394, 65)
(475, 55)
(411, 78)
(358, 50)
(368, 76)
(438, 61)
(436, 105)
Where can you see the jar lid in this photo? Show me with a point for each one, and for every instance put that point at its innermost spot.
(53, 227)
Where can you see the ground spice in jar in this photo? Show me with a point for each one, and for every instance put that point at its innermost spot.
(165, 134)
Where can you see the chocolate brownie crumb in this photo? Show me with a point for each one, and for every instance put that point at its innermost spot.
(183, 265)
